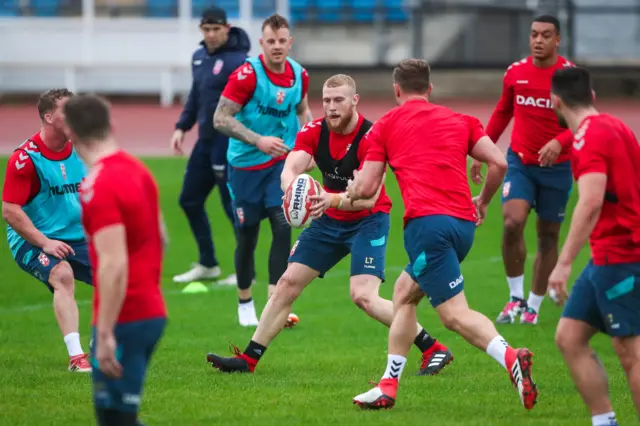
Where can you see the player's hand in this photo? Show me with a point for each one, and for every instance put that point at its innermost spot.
(176, 142)
(481, 209)
(321, 203)
(352, 196)
(476, 172)
(106, 355)
(549, 153)
(57, 249)
(558, 282)
(272, 146)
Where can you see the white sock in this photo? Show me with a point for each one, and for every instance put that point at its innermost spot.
(72, 340)
(246, 305)
(516, 286)
(606, 419)
(395, 365)
(497, 349)
(535, 301)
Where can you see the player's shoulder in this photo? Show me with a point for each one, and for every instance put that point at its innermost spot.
(311, 128)
(517, 67)
(564, 63)
(244, 71)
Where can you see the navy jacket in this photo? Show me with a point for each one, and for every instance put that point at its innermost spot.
(210, 73)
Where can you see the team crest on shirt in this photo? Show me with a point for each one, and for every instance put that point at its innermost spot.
(240, 214)
(506, 188)
(217, 67)
(43, 259)
(63, 170)
(280, 97)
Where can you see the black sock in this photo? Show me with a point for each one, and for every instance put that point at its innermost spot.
(111, 417)
(242, 301)
(255, 350)
(423, 341)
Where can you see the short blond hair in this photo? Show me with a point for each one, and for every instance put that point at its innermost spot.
(340, 80)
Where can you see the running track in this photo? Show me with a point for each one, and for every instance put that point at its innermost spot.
(145, 129)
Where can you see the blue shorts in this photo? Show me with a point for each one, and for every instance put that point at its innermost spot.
(607, 298)
(136, 344)
(253, 192)
(546, 189)
(436, 246)
(39, 264)
(327, 241)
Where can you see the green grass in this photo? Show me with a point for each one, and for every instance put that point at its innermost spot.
(310, 373)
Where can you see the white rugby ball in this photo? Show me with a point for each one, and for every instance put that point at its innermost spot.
(297, 205)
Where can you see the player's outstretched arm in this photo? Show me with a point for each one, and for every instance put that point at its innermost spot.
(366, 182)
(304, 112)
(225, 122)
(363, 204)
(297, 163)
(487, 152)
(110, 243)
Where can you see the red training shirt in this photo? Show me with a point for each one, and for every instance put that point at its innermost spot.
(427, 146)
(526, 96)
(242, 84)
(604, 144)
(21, 182)
(307, 140)
(120, 190)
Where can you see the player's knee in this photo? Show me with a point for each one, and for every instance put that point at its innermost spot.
(568, 341)
(513, 225)
(188, 202)
(61, 277)
(288, 288)
(628, 349)
(547, 241)
(363, 294)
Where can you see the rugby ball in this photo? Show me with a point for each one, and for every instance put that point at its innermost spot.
(297, 205)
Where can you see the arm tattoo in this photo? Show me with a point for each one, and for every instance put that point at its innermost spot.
(225, 122)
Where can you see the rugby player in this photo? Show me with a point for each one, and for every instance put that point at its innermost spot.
(121, 216)
(261, 109)
(336, 143)
(439, 223)
(539, 173)
(605, 297)
(41, 207)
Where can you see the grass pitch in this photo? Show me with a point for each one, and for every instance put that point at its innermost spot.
(309, 374)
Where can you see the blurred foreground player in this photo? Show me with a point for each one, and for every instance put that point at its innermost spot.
(40, 203)
(427, 147)
(606, 296)
(539, 173)
(261, 109)
(223, 49)
(337, 145)
(121, 216)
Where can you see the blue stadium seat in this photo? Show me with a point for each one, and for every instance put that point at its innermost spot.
(346, 10)
(10, 8)
(161, 8)
(46, 8)
(229, 6)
